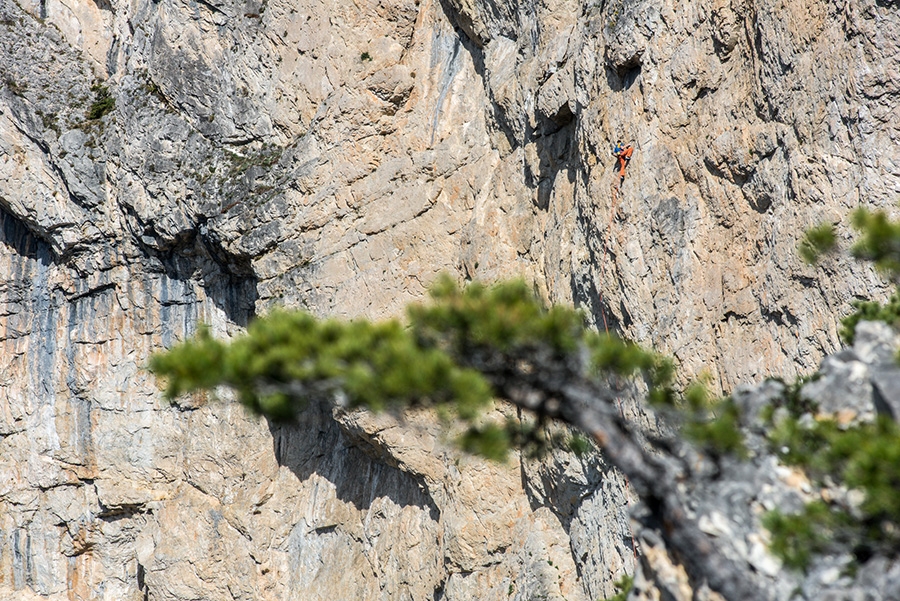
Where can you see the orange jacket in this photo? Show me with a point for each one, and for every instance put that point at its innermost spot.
(624, 157)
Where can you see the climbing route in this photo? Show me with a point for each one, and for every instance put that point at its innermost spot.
(612, 211)
(614, 195)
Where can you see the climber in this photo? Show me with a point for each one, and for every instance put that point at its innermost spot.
(624, 155)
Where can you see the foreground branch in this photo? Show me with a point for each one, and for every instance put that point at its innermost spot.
(590, 407)
(469, 347)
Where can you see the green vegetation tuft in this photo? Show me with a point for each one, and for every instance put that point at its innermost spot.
(103, 102)
(579, 444)
(14, 86)
(151, 87)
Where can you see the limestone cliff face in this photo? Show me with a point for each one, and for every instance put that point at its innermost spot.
(751, 120)
(336, 156)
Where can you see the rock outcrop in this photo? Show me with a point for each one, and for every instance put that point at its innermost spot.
(729, 500)
(170, 162)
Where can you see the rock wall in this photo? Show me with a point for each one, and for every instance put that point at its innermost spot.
(336, 157)
(752, 121)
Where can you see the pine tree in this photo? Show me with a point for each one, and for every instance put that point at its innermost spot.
(462, 351)
(473, 346)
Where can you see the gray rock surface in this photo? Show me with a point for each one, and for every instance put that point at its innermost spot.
(338, 156)
(729, 501)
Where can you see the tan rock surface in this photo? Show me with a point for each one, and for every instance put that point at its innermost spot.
(338, 156)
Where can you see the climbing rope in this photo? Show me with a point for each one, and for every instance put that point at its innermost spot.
(606, 236)
(612, 211)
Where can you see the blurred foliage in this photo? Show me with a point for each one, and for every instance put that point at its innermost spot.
(623, 588)
(797, 538)
(445, 357)
(858, 463)
(816, 242)
(710, 422)
(792, 400)
(458, 352)
(717, 430)
(871, 311)
(286, 358)
(864, 459)
(879, 241)
(508, 318)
